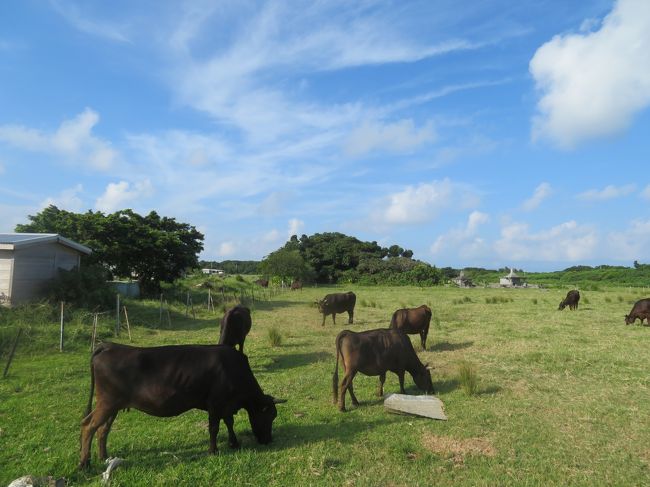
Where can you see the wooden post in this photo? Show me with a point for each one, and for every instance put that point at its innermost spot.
(187, 303)
(11, 354)
(192, 305)
(117, 318)
(94, 333)
(169, 318)
(161, 309)
(209, 296)
(128, 325)
(61, 334)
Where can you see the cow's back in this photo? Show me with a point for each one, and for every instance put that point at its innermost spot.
(642, 306)
(411, 320)
(340, 302)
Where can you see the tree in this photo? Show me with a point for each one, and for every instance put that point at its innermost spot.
(151, 248)
(286, 264)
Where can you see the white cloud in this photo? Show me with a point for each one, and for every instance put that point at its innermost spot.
(631, 244)
(592, 84)
(463, 242)
(417, 204)
(295, 227)
(72, 140)
(68, 200)
(398, 137)
(271, 236)
(607, 193)
(646, 192)
(542, 192)
(226, 249)
(75, 17)
(565, 242)
(119, 196)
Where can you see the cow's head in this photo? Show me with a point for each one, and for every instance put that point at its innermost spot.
(322, 305)
(423, 380)
(261, 416)
(628, 320)
(562, 305)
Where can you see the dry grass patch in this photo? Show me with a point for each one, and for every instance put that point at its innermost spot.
(458, 449)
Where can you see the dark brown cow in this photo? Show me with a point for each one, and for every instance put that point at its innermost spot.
(167, 381)
(414, 321)
(374, 352)
(262, 282)
(337, 303)
(235, 325)
(571, 300)
(296, 285)
(640, 310)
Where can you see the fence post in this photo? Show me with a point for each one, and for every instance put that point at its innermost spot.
(161, 302)
(61, 334)
(94, 333)
(11, 354)
(128, 325)
(117, 318)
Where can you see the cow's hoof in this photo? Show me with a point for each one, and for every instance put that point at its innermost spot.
(84, 465)
(342, 409)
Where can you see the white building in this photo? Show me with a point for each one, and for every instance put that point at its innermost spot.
(212, 272)
(29, 260)
(512, 280)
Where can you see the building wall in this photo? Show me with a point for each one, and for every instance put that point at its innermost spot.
(6, 266)
(35, 265)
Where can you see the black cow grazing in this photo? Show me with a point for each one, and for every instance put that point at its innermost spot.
(167, 381)
(571, 300)
(374, 352)
(235, 325)
(262, 282)
(640, 310)
(337, 303)
(295, 285)
(413, 321)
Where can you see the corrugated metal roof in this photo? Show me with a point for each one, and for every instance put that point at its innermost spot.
(15, 240)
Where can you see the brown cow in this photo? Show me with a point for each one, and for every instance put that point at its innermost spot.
(235, 325)
(374, 352)
(640, 310)
(296, 285)
(262, 282)
(413, 321)
(571, 300)
(337, 303)
(167, 381)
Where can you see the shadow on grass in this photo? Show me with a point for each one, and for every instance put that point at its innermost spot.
(296, 360)
(446, 385)
(449, 347)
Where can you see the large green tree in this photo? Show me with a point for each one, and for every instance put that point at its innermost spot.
(150, 247)
(287, 264)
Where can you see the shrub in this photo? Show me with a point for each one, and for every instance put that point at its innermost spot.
(467, 378)
(534, 300)
(275, 338)
(608, 299)
(83, 288)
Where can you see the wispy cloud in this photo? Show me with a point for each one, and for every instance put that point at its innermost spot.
(73, 140)
(464, 242)
(69, 199)
(398, 137)
(122, 195)
(607, 193)
(87, 24)
(542, 192)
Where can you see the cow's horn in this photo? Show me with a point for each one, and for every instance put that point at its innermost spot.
(278, 401)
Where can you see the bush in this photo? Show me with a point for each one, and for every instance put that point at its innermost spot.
(83, 288)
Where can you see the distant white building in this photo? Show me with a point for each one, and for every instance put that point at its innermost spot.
(212, 272)
(512, 280)
(462, 280)
(29, 260)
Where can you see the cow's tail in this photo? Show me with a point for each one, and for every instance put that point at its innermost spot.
(335, 376)
(89, 406)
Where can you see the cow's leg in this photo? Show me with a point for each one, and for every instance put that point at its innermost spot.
(89, 425)
(213, 427)
(352, 396)
(102, 436)
(232, 439)
(334, 318)
(345, 383)
(350, 317)
(323, 323)
(382, 379)
(400, 376)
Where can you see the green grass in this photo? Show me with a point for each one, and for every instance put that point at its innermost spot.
(564, 396)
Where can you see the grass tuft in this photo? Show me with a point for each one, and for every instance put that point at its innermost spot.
(275, 337)
(467, 377)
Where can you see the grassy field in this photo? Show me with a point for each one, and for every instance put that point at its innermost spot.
(562, 397)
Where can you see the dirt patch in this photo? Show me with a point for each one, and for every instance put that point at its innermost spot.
(458, 449)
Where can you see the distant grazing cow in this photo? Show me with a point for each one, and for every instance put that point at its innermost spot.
(235, 325)
(337, 303)
(413, 321)
(640, 310)
(262, 282)
(296, 285)
(167, 381)
(374, 352)
(571, 300)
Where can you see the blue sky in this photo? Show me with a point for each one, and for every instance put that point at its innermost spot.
(499, 133)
